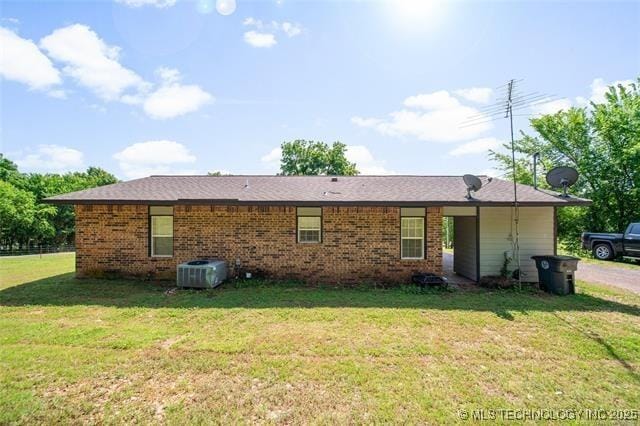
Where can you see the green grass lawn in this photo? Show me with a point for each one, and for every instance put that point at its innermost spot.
(98, 351)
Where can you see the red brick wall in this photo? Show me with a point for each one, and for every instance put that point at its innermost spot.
(359, 244)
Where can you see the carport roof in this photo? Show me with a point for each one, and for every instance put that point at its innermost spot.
(314, 190)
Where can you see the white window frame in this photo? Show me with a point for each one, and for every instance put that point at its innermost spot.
(308, 212)
(421, 238)
(163, 212)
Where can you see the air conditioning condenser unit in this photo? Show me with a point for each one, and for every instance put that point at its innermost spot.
(205, 273)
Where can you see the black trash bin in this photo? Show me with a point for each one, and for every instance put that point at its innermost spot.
(556, 273)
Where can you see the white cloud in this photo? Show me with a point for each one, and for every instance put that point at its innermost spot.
(365, 162)
(252, 22)
(436, 100)
(359, 154)
(168, 75)
(92, 62)
(257, 39)
(173, 99)
(272, 159)
(551, 107)
(95, 65)
(264, 34)
(57, 93)
(291, 29)
(366, 122)
(154, 157)
(139, 3)
(134, 99)
(581, 101)
(52, 158)
(22, 61)
(435, 117)
(599, 88)
(478, 146)
(480, 95)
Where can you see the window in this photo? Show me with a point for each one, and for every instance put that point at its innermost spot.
(161, 218)
(309, 224)
(635, 229)
(412, 233)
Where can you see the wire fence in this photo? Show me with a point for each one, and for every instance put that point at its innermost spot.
(40, 250)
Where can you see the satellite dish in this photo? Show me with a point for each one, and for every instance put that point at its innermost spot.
(562, 177)
(473, 184)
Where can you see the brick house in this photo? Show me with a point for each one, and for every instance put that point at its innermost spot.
(315, 228)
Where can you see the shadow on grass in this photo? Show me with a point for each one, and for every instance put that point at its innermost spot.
(590, 334)
(65, 290)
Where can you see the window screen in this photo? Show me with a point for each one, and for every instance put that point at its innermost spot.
(412, 238)
(161, 232)
(309, 224)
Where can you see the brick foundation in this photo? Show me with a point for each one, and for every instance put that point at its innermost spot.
(359, 244)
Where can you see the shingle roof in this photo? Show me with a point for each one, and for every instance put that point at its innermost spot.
(311, 190)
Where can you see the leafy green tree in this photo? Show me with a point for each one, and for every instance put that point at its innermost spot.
(32, 221)
(603, 143)
(9, 171)
(302, 157)
(22, 220)
(97, 176)
(50, 184)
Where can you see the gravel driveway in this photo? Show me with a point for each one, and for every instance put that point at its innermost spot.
(610, 274)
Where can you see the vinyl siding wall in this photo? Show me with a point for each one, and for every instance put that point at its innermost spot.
(464, 245)
(536, 237)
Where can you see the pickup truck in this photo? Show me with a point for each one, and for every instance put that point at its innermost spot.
(609, 246)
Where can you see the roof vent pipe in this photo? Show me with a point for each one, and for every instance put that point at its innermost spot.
(246, 185)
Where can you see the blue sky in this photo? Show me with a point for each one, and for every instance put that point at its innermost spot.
(169, 86)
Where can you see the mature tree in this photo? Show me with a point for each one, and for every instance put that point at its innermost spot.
(602, 142)
(32, 221)
(47, 185)
(22, 220)
(302, 157)
(9, 170)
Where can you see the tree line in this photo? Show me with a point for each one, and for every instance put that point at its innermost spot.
(25, 220)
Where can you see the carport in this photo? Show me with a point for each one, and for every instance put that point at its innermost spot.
(483, 236)
(462, 265)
